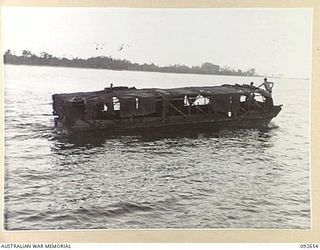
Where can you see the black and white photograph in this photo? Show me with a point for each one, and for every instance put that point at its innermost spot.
(156, 118)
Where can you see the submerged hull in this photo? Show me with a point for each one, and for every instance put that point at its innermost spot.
(171, 124)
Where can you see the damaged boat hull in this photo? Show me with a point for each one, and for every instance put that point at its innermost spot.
(163, 110)
(172, 125)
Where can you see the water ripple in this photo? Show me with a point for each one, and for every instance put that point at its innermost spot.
(246, 178)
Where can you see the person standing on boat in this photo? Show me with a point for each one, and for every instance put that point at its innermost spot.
(268, 85)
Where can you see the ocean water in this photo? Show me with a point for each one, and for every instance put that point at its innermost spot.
(233, 179)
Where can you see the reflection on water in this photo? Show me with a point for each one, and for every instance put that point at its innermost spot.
(244, 178)
(98, 139)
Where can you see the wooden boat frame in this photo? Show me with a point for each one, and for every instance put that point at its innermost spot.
(119, 109)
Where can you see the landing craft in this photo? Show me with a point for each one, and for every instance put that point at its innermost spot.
(122, 109)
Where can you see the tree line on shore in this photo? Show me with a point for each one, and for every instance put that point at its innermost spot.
(107, 62)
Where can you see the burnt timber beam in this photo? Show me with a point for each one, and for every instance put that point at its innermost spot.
(178, 110)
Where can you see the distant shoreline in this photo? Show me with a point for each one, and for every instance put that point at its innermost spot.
(104, 62)
(107, 62)
(74, 67)
(279, 77)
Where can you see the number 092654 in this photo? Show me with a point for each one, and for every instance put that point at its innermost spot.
(309, 246)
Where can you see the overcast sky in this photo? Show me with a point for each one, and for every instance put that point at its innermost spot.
(274, 41)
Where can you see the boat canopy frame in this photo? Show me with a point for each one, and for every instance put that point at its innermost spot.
(134, 102)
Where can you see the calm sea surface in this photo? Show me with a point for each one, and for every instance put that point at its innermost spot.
(245, 178)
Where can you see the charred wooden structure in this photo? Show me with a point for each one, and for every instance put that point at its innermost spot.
(118, 109)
